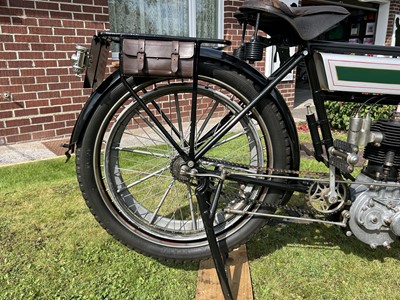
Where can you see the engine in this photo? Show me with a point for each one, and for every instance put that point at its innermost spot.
(375, 209)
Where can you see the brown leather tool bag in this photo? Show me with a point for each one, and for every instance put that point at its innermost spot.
(142, 57)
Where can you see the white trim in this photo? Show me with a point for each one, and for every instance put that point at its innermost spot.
(220, 19)
(192, 18)
(382, 24)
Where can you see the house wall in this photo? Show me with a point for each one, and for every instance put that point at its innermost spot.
(393, 11)
(36, 41)
(37, 38)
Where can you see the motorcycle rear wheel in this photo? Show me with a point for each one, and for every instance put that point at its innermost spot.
(130, 176)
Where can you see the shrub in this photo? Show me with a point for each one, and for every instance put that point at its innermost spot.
(339, 113)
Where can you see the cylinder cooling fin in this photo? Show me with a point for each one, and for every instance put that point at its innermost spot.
(384, 158)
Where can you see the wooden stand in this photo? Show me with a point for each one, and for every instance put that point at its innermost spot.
(208, 285)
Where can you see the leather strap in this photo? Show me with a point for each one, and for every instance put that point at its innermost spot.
(141, 55)
(175, 57)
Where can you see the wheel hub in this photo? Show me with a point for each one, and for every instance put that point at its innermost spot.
(179, 169)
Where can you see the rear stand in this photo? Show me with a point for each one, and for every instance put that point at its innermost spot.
(207, 210)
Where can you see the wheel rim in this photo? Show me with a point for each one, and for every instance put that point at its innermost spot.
(137, 164)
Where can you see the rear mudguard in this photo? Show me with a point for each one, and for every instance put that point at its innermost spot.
(207, 53)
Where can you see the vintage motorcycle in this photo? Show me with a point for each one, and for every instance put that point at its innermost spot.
(186, 149)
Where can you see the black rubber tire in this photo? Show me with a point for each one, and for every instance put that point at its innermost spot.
(108, 214)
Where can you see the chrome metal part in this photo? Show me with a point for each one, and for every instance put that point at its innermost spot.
(374, 214)
(322, 201)
(290, 218)
(360, 133)
(80, 60)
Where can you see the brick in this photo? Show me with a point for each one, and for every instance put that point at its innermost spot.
(75, 107)
(35, 87)
(5, 115)
(8, 11)
(22, 80)
(71, 7)
(45, 64)
(58, 86)
(55, 125)
(94, 25)
(64, 117)
(101, 2)
(31, 128)
(16, 46)
(90, 2)
(4, 81)
(42, 47)
(43, 135)
(48, 94)
(30, 55)
(73, 23)
(86, 32)
(50, 110)
(32, 72)
(74, 40)
(51, 39)
(64, 31)
(8, 55)
(6, 38)
(36, 103)
(93, 9)
(42, 120)
(65, 63)
(70, 93)
(47, 79)
(5, 20)
(13, 89)
(47, 5)
(60, 15)
(22, 3)
(55, 55)
(56, 71)
(60, 101)
(14, 29)
(37, 13)
(101, 18)
(40, 30)
(64, 47)
(64, 131)
(24, 96)
(50, 23)
(20, 64)
(8, 131)
(83, 16)
(26, 112)
(26, 38)
(9, 73)
(17, 122)
(24, 21)
(18, 138)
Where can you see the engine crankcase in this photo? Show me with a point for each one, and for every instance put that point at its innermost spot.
(375, 212)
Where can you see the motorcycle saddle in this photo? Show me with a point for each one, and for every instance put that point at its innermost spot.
(305, 23)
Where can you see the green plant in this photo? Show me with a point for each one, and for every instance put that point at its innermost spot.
(339, 113)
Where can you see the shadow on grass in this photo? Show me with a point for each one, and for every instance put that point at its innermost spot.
(314, 236)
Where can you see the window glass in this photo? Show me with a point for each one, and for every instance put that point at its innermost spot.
(150, 16)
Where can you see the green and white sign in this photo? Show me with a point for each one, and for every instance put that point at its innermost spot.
(364, 74)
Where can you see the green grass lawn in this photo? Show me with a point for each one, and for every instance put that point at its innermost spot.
(52, 248)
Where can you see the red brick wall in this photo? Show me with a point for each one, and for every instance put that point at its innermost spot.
(36, 41)
(394, 10)
(37, 38)
(233, 31)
